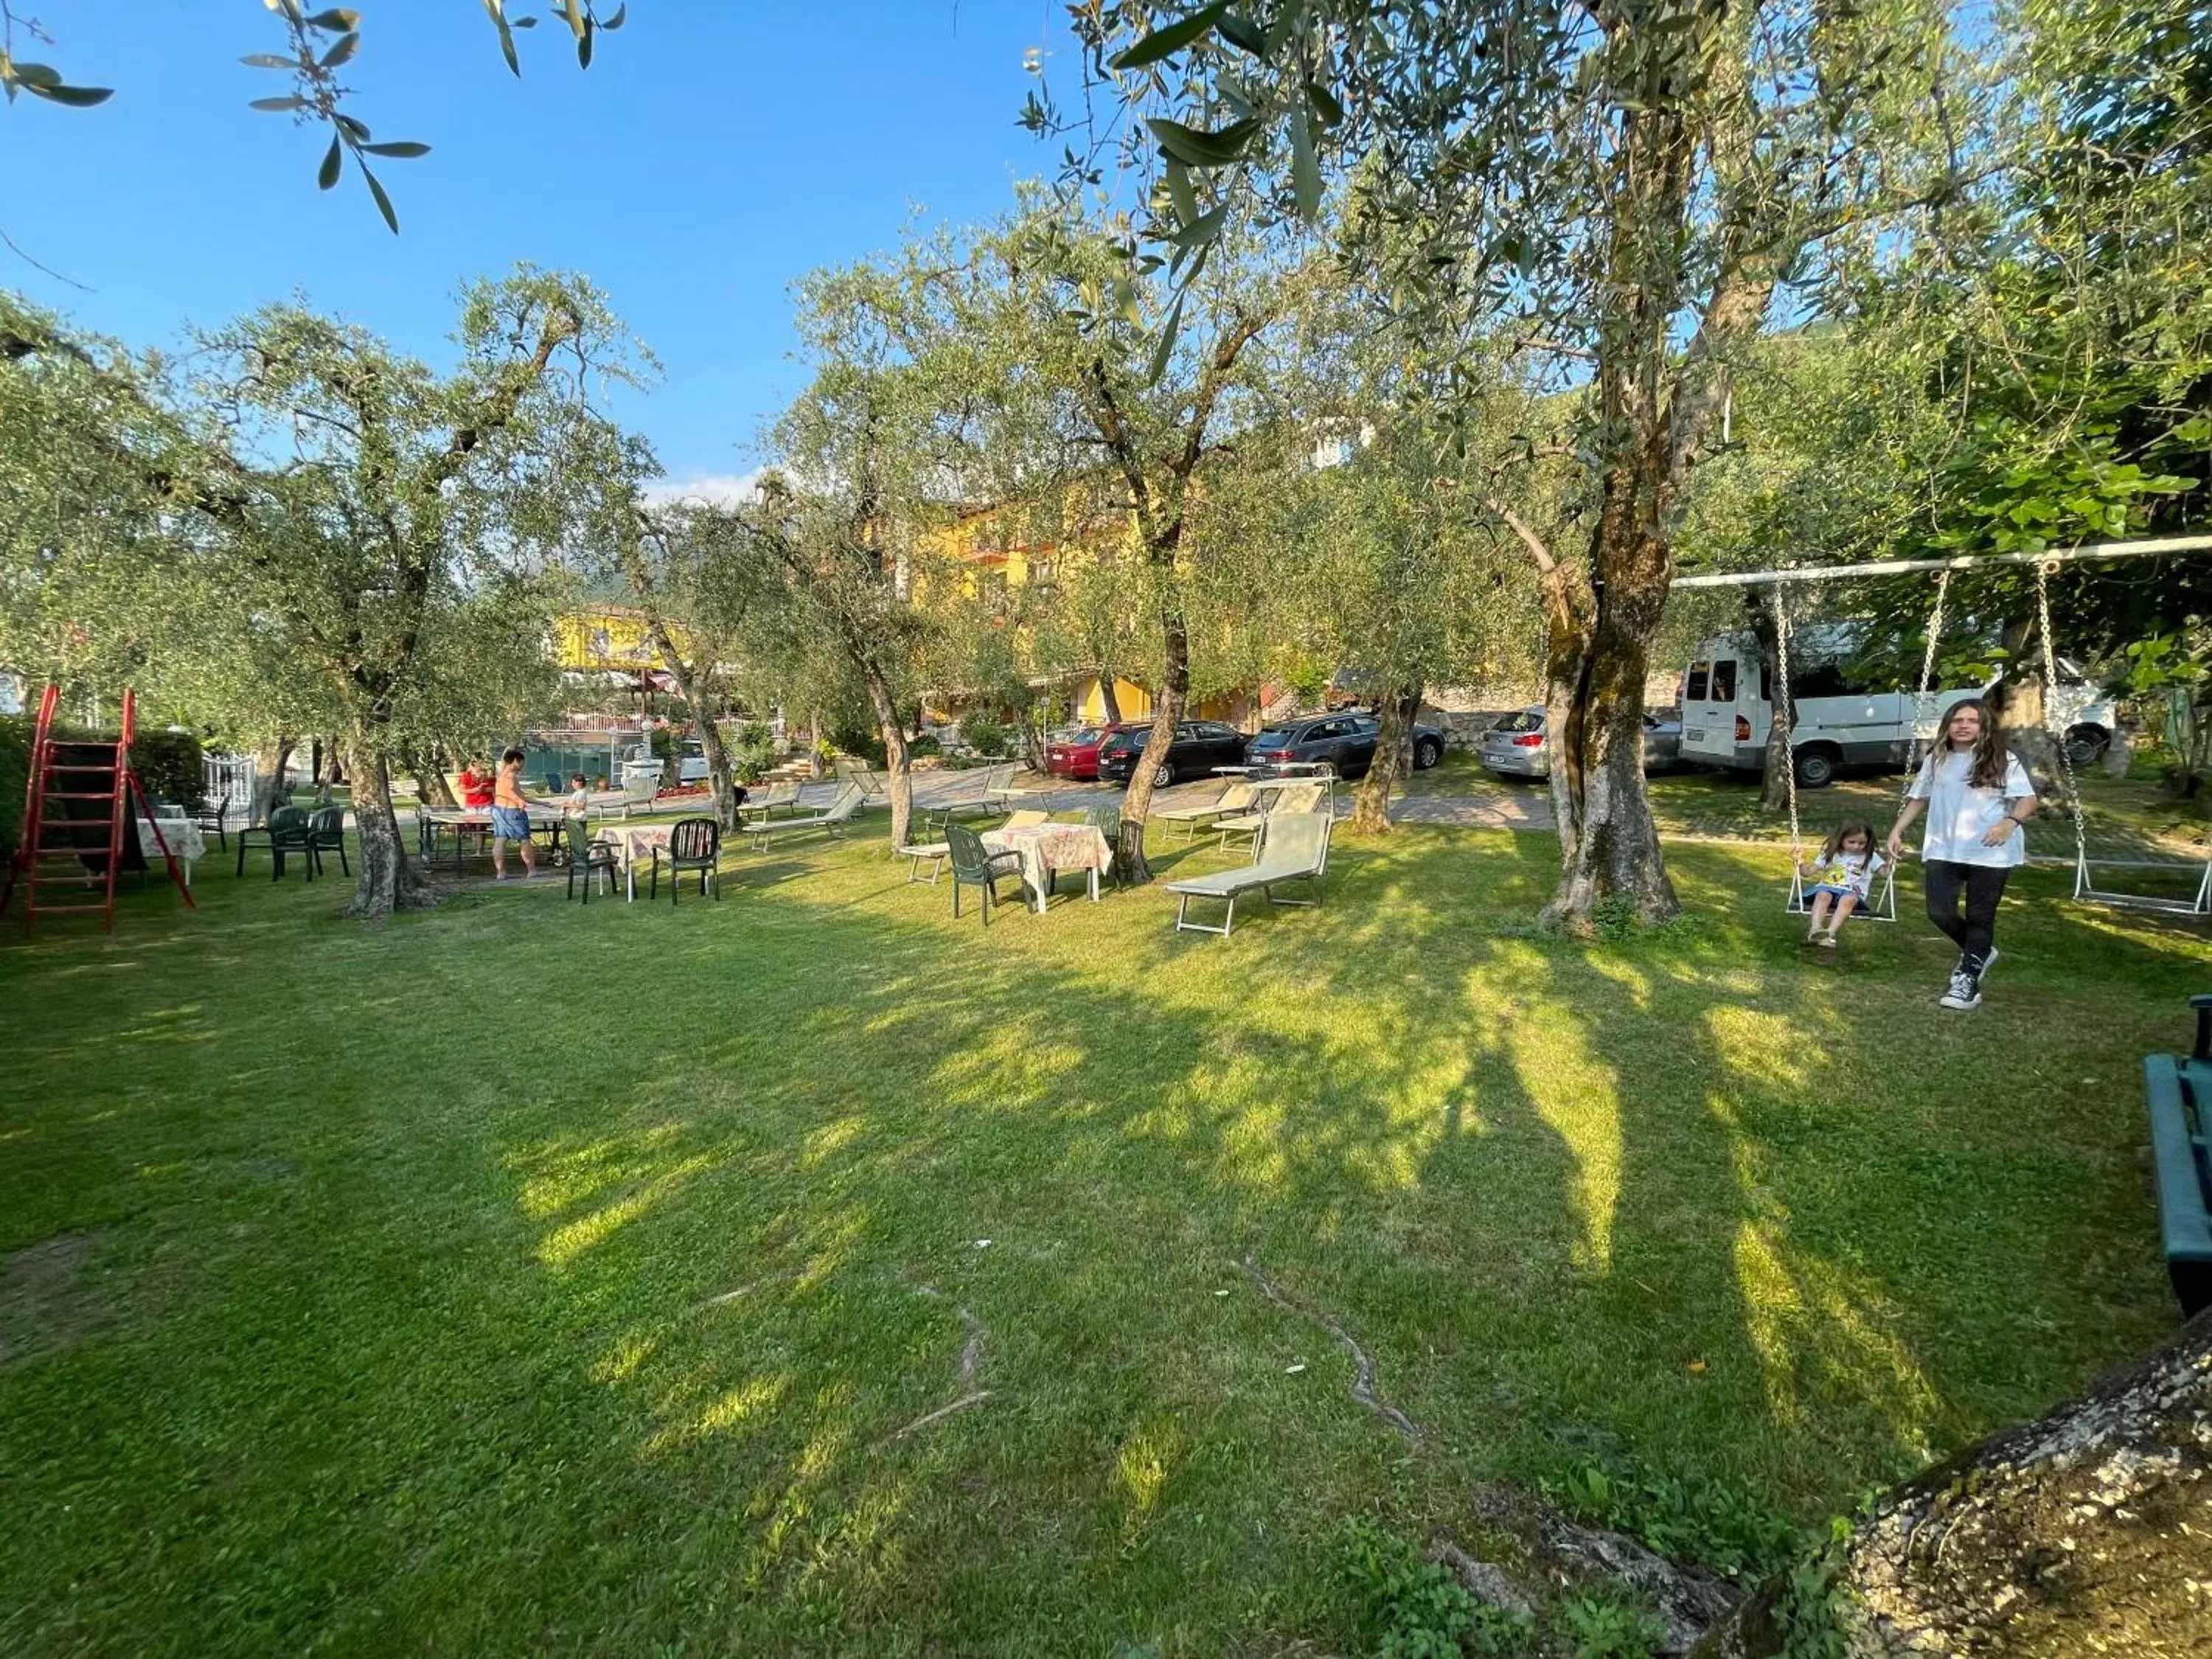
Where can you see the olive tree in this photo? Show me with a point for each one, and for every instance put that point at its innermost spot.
(384, 528)
(1621, 191)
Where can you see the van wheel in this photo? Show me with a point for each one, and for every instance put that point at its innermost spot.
(2085, 745)
(1426, 753)
(1816, 767)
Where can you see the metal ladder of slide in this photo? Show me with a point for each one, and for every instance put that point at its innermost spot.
(74, 824)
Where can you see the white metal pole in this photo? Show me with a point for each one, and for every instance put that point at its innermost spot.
(2157, 548)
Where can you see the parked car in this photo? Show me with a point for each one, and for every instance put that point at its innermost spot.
(1198, 747)
(1345, 741)
(1076, 755)
(1516, 746)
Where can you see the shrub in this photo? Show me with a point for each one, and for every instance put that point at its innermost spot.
(752, 751)
(168, 765)
(922, 748)
(985, 735)
(14, 779)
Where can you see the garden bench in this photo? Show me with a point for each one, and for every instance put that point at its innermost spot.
(2179, 1092)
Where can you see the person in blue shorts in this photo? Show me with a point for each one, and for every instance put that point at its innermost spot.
(510, 817)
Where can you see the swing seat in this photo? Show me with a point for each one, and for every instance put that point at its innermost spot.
(2086, 888)
(1881, 905)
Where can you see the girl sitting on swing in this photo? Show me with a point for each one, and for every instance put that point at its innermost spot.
(1839, 877)
(1976, 795)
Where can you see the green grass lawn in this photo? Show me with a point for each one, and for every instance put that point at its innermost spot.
(525, 1278)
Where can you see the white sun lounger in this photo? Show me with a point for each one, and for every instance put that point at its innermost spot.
(832, 820)
(1293, 846)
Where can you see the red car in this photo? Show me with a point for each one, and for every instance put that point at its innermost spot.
(1076, 755)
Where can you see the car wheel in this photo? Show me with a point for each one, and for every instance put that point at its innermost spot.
(1816, 767)
(1162, 777)
(1426, 753)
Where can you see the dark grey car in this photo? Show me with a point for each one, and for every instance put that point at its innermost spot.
(1345, 741)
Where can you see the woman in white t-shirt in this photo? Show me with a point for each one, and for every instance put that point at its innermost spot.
(1976, 795)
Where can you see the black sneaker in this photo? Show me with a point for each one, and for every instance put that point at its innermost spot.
(1965, 992)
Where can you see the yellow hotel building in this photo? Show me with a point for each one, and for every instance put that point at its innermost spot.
(977, 542)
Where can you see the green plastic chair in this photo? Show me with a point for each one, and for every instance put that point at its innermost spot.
(285, 832)
(693, 844)
(326, 834)
(976, 865)
(1107, 821)
(590, 857)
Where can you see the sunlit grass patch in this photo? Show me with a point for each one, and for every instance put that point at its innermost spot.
(814, 1271)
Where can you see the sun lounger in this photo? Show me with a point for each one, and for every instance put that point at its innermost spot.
(1236, 797)
(832, 820)
(1293, 846)
(993, 793)
(1287, 800)
(774, 795)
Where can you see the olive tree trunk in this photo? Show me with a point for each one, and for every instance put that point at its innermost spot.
(388, 881)
(271, 790)
(1399, 706)
(1108, 700)
(2023, 699)
(2088, 1531)
(1601, 633)
(898, 759)
(1774, 767)
(1167, 714)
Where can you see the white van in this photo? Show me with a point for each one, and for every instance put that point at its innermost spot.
(1728, 708)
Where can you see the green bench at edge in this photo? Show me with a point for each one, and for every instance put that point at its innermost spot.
(2179, 1091)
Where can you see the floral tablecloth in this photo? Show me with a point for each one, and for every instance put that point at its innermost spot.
(633, 845)
(1045, 847)
(186, 845)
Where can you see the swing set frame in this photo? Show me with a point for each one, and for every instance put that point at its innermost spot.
(1883, 907)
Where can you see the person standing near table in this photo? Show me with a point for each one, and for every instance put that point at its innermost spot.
(1977, 796)
(477, 784)
(510, 817)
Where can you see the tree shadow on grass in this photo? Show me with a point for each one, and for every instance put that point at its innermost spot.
(607, 1296)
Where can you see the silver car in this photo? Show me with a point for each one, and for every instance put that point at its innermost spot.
(1516, 746)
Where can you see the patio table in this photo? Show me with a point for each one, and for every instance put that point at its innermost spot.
(634, 844)
(186, 845)
(1046, 847)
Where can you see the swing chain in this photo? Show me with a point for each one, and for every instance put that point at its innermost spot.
(2050, 692)
(1921, 705)
(1785, 714)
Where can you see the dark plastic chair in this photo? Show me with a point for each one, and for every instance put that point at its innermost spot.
(1107, 821)
(326, 834)
(589, 857)
(976, 865)
(693, 844)
(285, 832)
(204, 821)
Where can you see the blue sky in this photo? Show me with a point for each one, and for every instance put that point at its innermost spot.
(715, 150)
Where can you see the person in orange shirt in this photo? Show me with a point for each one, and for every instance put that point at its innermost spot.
(510, 817)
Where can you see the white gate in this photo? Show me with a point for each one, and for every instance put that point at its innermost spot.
(229, 778)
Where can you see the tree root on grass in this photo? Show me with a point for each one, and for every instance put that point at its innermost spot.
(1554, 1551)
(971, 1367)
(1363, 1368)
